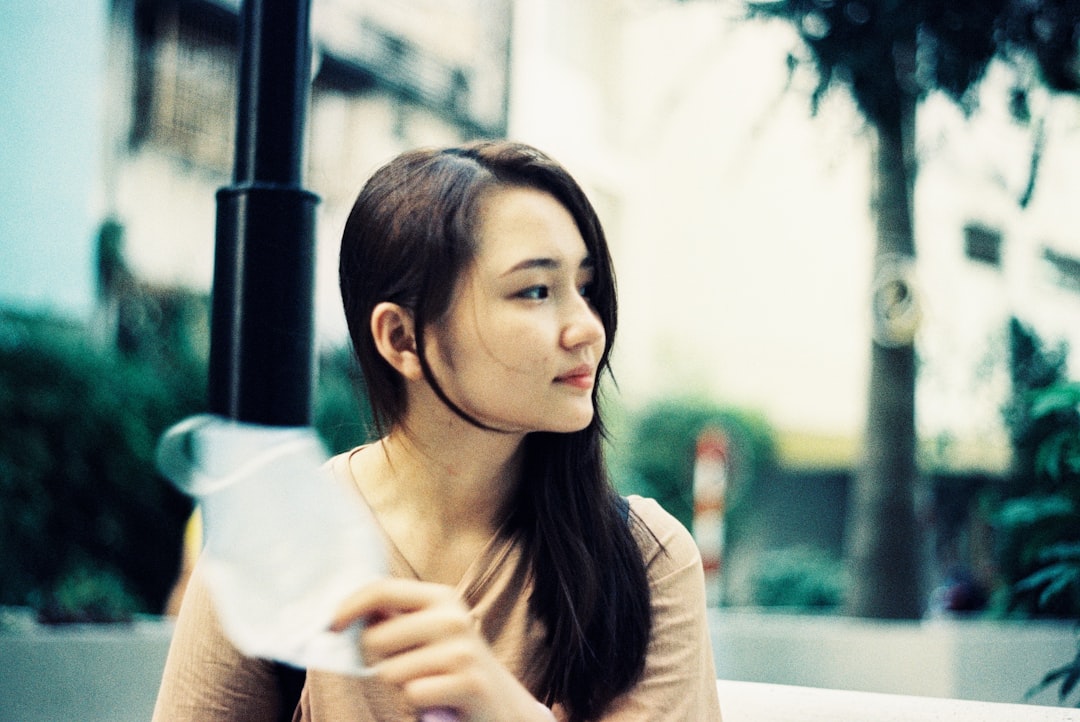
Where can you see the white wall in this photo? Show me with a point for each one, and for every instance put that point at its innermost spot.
(755, 702)
(739, 224)
(975, 660)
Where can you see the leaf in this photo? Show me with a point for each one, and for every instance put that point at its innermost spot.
(1059, 397)
(1069, 682)
(1031, 510)
(1058, 586)
(1055, 578)
(1058, 456)
(1048, 679)
(1048, 459)
(1062, 552)
(1068, 674)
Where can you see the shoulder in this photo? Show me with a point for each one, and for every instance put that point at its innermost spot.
(338, 465)
(679, 681)
(666, 545)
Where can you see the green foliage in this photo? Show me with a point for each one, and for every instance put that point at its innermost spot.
(342, 415)
(882, 50)
(858, 45)
(89, 530)
(1039, 518)
(1060, 577)
(1039, 521)
(1066, 677)
(1033, 368)
(658, 459)
(1050, 528)
(799, 578)
(87, 597)
(78, 486)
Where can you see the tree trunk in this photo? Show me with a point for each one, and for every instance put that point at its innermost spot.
(883, 537)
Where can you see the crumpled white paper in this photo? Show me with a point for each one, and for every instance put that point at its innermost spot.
(285, 543)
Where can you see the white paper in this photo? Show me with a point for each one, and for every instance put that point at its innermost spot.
(285, 542)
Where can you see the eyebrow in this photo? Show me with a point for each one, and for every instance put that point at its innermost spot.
(546, 263)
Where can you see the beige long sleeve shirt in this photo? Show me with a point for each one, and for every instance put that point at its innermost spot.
(207, 680)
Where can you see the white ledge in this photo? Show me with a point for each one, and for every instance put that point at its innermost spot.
(759, 702)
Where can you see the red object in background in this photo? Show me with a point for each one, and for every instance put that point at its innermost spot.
(710, 488)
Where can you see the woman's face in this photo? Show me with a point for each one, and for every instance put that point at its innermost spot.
(519, 346)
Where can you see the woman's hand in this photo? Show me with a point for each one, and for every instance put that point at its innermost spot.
(421, 638)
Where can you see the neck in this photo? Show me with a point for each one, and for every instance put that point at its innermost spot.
(450, 474)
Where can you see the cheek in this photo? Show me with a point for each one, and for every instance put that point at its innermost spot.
(507, 338)
(523, 349)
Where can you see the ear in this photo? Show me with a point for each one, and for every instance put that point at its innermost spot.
(395, 337)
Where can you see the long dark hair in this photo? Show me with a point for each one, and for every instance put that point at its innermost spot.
(411, 233)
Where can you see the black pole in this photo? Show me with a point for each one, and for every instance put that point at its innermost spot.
(262, 322)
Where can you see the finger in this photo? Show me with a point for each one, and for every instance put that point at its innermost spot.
(385, 598)
(433, 660)
(408, 631)
(440, 692)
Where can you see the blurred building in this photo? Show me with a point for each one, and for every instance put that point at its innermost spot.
(742, 227)
(739, 222)
(386, 77)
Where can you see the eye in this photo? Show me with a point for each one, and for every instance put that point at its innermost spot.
(534, 293)
(587, 282)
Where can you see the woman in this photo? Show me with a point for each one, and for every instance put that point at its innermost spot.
(480, 299)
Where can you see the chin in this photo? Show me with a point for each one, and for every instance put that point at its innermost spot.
(570, 426)
(552, 421)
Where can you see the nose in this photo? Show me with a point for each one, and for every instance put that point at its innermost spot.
(582, 326)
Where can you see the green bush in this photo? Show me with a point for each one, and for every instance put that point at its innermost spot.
(1038, 520)
(656, 459)
(799, 578)
(1043, 529)
(1039, 517)
(342, 415)
(88, 528)
(79, 494)
(87, 596)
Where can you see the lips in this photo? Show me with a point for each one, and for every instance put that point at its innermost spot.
(580, 377)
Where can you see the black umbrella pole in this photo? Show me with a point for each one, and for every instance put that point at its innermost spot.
(262, 333)
(262, 315)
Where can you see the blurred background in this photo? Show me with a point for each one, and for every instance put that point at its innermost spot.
(847, 244)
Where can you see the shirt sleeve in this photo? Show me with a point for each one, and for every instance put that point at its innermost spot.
(206, 679)
(679, 681)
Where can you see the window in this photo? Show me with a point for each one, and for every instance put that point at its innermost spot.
(982, 244)
(185, 99)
